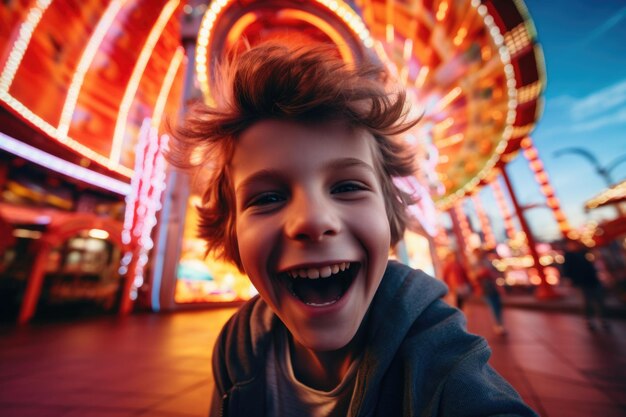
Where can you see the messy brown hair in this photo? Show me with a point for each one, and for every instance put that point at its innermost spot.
(308, 84)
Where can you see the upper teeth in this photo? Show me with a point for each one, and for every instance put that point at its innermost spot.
(322, 272)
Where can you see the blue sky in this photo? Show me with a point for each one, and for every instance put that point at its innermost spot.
(584, 44)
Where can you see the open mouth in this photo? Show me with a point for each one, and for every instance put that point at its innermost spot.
(323, 286)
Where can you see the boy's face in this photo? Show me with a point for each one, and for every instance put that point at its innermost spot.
(311, 226)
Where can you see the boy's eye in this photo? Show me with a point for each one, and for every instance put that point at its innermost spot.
(265, 199)
(348, 187)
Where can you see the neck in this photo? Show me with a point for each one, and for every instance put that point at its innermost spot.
(323, 370)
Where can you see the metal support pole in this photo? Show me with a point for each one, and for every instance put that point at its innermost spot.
(544, 290)
(171, 225)
(34, 283)
(461, 243)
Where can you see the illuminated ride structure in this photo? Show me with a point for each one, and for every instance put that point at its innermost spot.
(609, 236)
(85, 88)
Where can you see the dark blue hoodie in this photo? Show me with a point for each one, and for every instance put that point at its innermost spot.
(418, 361)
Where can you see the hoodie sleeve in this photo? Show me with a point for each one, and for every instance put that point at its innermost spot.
(236, 363)
(216, 409)
(474, 388)
(219, 375)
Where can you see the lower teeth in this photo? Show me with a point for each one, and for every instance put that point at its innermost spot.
(323, 304)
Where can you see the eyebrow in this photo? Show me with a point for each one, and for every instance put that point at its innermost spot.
(350, 163)
(261, 175)
(273, 174)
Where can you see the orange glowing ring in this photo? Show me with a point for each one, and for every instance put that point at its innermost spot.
(339, 8)
(511, 83)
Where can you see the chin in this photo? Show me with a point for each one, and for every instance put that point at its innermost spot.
(328, 340)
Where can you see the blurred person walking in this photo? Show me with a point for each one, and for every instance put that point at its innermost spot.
(582, 272)
(455, 276)
(486, 275)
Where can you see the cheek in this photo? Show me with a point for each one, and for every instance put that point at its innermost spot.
(254, 242)
(255, 251)
(372, 226)
(243, 244)
(244, 240)
(383, 236)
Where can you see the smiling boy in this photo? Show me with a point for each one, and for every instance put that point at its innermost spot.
(303, 150)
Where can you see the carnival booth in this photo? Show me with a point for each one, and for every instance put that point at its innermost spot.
(84, 91)
(91, 84)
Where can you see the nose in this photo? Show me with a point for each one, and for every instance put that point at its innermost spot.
(311, 218)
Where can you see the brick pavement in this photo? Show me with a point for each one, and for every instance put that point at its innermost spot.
(159, 365)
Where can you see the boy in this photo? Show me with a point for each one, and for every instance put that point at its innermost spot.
(301, 199)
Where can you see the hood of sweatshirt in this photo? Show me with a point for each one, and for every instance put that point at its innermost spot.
(402, 297)
(403, 294)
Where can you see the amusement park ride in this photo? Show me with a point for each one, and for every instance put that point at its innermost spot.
(86, 89)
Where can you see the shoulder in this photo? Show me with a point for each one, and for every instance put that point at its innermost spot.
(449, 368)
(440, 332)
(412, 282)
(409, 311)
(240, 348)
(402, 296)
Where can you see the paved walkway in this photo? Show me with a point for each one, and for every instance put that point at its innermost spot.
(159, 365)
(560, 367)
(569, 300)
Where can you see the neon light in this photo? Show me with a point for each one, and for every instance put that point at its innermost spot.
(160, 255)
(382, 54)
(490, 239)
(338, 7)
(442, 11)
(21, 44)
(351, 19)
(423, 210)
(617, 191)
(404, 74)
(517, 39)
(389, 32)
(168, 81)
(552, 202)
(135, 182)
(26, 233)
(450, 140)
(408, 49)
(327, 29)
(61, 166)
(447, 99)
(504, 209)
(443, 125)
(85, 62)
(135, 78)
(239, 26)
(532, 155)
(536, 165)
(48, 129)
(442, 236)
(460, 36)
(98, 234)
(421, 77)
(204, 36)
(6, 79)
(143, 203)
(529, 92)
(546, 189)
(463, 225)
(509, 72)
